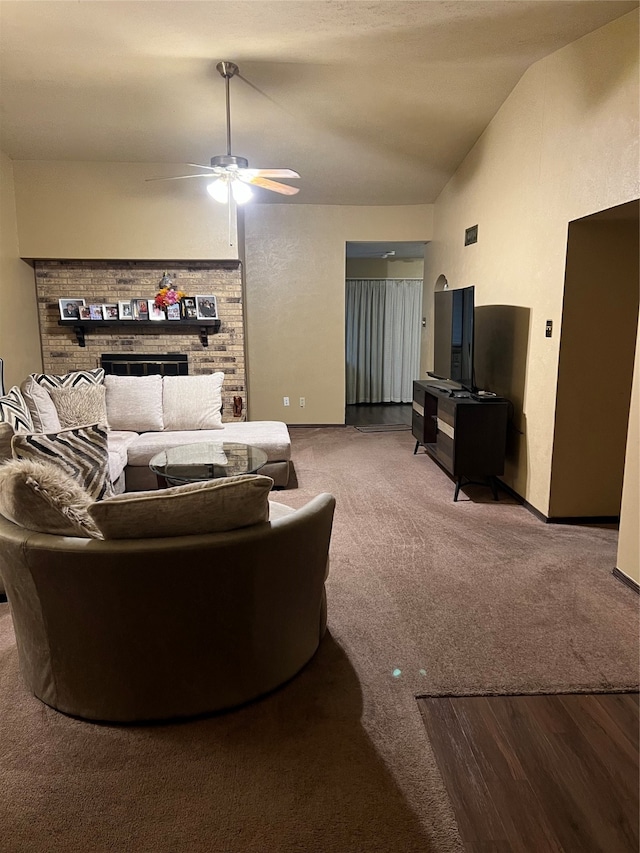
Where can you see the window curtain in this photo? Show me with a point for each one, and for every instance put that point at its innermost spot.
(382, 339)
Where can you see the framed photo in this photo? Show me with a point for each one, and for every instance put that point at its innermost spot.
(189, 311)
(85, 312)
(155, 313)
(140, 309)
(70, 308)
(173, 311)
(124, 310)
(110, 311)
(95, 312)
(206, 308)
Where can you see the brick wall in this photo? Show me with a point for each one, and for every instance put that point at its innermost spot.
(109, 281)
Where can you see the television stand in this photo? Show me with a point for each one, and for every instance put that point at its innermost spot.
(465, 436)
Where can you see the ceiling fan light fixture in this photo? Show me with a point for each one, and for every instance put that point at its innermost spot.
(241, 192)
(219, 190)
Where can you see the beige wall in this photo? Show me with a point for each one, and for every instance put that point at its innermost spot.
(295, 273)
(599, 326)
(380, 268)
(294, 266)
(628, 560)
(19, 335)
(102, 211)
(563, 145)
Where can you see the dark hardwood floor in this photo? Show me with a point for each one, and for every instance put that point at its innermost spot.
(363, 414)
(532, 774)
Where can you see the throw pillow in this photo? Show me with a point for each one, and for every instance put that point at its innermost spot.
(43, 412)
(6, 434)
(70, 380)
(206, 507)
(192, 402)
(38, 496)
(134, 403)
(14, 411)
(80, 453)
(81, 405)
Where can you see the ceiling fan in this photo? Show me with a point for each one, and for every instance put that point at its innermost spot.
(233, 173)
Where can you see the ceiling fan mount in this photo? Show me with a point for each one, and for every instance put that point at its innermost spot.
(229, 172)
(228, 161)
(227, 69)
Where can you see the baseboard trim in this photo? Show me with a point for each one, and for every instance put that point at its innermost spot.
(559, 519)
(315, 426)
(626, 580)
(584, 519)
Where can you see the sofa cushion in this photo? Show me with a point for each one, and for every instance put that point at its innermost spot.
(39, 496)
(6, 434)
(207, 507)
(134, 403)
(118, 442)
(15, 412)
(278, 510)
(192, 402)
(270, 436)
(73, 379)
(43, 412)
(80, 453)
(84, 404)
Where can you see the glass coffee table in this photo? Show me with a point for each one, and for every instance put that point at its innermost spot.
(207, 460)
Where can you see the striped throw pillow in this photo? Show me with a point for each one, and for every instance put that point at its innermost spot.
(81, 453)
(15, 412)
(70, 380)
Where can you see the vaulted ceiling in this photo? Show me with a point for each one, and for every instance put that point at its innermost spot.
(371, 102)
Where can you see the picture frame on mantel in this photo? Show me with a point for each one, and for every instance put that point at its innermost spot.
(70, 308)
(124, 310)
(206, 308)
(188, 304)
(140, 309)
(110, 311)
(174, 312)
(155, 311)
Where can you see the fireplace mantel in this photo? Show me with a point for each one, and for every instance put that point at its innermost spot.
(81, 327)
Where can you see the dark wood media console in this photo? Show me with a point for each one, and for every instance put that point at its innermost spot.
(467, 437)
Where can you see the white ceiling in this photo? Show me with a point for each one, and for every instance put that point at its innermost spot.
(371, 102)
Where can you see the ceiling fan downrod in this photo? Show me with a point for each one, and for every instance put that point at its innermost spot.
(227, 70)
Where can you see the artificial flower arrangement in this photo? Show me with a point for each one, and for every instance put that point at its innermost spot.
(168, 293)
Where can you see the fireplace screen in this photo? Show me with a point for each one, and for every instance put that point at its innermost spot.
(142, 364)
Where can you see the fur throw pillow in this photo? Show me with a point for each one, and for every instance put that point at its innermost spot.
(41, 497)
(79, 406)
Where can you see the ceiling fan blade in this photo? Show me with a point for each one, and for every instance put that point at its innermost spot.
(201, 166)
(178, 177)
(266, 184)
(276, 173)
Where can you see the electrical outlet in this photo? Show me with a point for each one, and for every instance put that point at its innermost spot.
(285, 401)
(302, 402)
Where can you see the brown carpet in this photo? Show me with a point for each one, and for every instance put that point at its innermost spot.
(426, 596)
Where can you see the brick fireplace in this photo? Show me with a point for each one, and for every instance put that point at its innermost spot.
(100, 282)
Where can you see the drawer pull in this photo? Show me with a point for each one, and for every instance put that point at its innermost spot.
(446, 428)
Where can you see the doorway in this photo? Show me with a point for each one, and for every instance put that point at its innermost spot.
(595, 369)
(383, 308)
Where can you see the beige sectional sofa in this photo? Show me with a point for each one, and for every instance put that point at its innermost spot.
(147, 414)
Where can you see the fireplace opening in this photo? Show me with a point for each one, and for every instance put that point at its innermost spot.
(145, 364)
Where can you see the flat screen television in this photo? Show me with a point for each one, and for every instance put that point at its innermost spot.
(453, 336)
